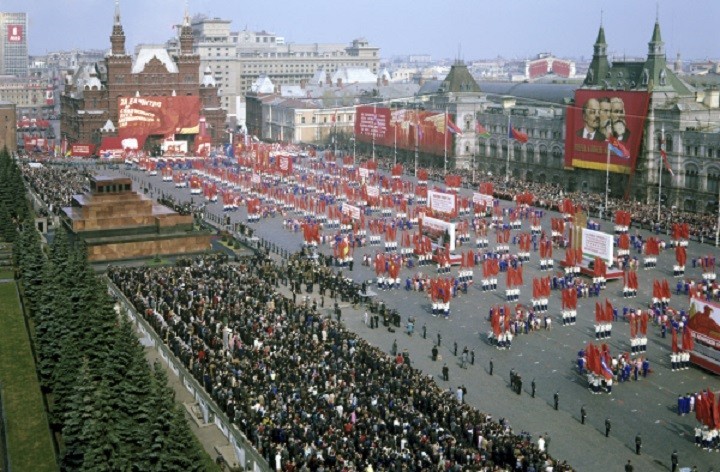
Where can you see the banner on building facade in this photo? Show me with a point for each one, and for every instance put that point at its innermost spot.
(82, 150)
(602, 117)
(404, 129)
(14, 33)
(163, 116)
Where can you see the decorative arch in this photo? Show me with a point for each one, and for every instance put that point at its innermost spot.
(543, 155)
(690, 204)
(530, 153)
(493, 148)
(713, 180)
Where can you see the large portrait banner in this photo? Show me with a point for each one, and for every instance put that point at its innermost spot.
(602, 120)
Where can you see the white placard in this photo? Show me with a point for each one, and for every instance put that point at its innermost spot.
(442, 226)
(481, 198)
(442, 202)
(351, 210)
(373, 191)
(597, 244)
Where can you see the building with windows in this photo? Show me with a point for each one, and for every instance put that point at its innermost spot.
(319, 111)
(683, 119)
(238, 58)
(90, 101)
(13, 45)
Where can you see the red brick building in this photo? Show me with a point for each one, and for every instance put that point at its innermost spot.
(90, 101)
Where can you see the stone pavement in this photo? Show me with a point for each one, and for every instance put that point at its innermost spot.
(646, 406)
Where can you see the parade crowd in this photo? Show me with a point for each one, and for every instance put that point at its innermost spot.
(550, 196)
(309, 394)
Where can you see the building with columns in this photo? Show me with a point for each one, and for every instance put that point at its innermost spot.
(90, 99)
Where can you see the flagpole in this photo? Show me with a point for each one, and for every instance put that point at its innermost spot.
(375, 122)
(507, 163)
(417, 138)
(660, 165)
(445, 143)
(607, 179)
(395, 128)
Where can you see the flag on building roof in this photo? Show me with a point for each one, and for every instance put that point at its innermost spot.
(481, 131)
(517, 135)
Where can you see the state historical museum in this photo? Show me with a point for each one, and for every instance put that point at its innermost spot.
(154, 97)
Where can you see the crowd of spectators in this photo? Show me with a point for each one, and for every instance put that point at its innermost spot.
(309, 394)
(56, 185)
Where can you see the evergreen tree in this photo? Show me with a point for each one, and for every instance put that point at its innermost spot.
(171, 448)
(102, 448)
(80, 408)
(128, 374)
(30, 260)
(53, 306)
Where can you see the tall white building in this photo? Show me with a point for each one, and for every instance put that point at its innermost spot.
(13, 44)
(238, 58)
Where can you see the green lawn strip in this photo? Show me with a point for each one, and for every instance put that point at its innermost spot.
(6, 274)
(29, 442)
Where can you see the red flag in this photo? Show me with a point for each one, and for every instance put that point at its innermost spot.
(687, 340)
(517, 135)
(663, 154)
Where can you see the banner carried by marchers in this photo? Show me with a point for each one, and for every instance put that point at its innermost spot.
(600, 117)
(351, 210)
(441, 202)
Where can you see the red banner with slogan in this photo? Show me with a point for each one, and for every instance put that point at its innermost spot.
(164, 116)
(82, 150)
(600, 117)
(406, 128)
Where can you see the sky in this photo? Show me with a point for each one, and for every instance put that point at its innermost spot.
(445, 29)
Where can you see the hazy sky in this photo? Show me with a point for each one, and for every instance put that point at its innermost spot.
(480, 28)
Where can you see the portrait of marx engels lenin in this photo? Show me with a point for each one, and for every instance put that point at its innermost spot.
(591, 121)
(617, 119)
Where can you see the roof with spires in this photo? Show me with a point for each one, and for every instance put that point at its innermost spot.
(651, 74)
(601, 36)
(459, 80)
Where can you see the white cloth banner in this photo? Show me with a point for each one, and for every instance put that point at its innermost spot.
(351, 210)
(442, 202)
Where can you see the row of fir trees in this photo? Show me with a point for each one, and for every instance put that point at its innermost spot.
(112, 411)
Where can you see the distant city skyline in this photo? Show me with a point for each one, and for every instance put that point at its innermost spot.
(469, 29)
